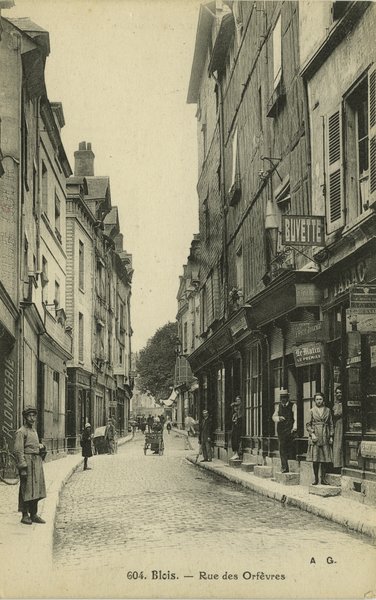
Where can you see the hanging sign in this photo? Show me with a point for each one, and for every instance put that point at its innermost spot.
(309, 331)
(368, 449)
(308, 354)
(301, 230)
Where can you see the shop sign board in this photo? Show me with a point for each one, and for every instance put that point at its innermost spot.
(363, 299)
(302, 230)
(240, 324)
(309, 331)
(365, 322)
(112, 403)
(308, 354)
(368, 449)
(307, 294)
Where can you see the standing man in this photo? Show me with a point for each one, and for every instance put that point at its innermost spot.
(285, 417)
(109, 436)
(149, 422)
(86, 446)
(28, 450)
(205, 436)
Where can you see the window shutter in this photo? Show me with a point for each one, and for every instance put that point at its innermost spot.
(334, 195)
(372, 132)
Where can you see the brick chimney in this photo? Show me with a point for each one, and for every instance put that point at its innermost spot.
(84, 160)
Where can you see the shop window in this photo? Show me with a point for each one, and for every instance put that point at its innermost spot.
(370, 383)
(220, 398)
(253, 391)
(55, 396)
(310, 378)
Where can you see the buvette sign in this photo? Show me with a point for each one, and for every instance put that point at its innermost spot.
(301, 230)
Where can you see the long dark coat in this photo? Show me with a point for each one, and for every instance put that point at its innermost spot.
(26, 451)
(86, 443)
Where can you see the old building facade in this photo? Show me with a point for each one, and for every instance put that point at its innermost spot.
(65, 278)
(283, 236)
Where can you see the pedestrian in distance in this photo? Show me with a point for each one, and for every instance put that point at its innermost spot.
(320, 431)
(168, 427)
(85, 442)
(338, 430)
(29, 453)
(285, 417)
(237, 426)
(110, 437)
(149, 423)
(205, 437)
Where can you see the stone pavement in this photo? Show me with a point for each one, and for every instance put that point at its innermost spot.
(349, 513)
(27, 549)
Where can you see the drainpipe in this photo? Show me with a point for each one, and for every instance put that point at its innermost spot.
(223, 194)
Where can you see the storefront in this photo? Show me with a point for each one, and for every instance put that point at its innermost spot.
(349, 310)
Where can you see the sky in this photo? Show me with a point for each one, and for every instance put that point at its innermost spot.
(121, 69)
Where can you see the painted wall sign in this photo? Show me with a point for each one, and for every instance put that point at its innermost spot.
(368, 449)
(301, 230)
(308, 354)
(309, 331)
(307, 294)
(8, 393)
(240, 324)
(363, 299)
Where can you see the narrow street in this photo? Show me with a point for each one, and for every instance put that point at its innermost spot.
(139, 519)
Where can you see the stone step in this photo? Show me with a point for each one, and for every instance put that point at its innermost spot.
(324, 490)
(236, 463)
(248, 466)
(262, 471)
(252, 458)
(287, 478)
(334, 479)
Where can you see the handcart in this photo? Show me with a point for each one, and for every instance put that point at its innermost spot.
(154, 441)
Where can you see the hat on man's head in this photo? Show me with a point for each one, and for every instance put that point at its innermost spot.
(283, 392)
(29, 409)
(205, 412)
(87, 425)
(237, 401)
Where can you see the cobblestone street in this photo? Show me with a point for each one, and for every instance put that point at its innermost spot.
(133, 513)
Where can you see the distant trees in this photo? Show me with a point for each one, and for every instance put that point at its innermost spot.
(156, 362)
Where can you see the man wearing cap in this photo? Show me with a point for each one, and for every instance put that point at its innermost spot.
(205, 436)
(237, 425)
(28, 450)
(285, 417)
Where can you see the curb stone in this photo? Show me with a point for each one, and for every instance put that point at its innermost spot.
(348, 522)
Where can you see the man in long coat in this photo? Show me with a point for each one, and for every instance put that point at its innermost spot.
(205, 436)
(27, 449)
(109, 436)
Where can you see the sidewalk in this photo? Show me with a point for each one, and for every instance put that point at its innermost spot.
(26, 550)
(348, 513)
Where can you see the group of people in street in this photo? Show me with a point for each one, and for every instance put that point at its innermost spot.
(324, 428)
(206, 432)
(86, 441)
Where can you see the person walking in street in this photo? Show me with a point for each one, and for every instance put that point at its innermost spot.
(285, 417)
(237, 426)
(110, 437)
(320, 429)
(205, 436)
(28, 452)
(168, 427)
(85, 442)
(149, 423)
(338, 430)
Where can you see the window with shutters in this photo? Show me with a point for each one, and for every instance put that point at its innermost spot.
(80, 337)
(334, 191)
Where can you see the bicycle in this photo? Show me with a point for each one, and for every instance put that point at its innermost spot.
(8, 466)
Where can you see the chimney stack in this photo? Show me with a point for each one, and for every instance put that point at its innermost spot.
(84, 160)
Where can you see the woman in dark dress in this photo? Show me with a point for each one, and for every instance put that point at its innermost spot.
(86, 445)
(338, 430)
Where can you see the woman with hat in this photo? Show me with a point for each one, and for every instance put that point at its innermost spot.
(85, 442)
(28, 452)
